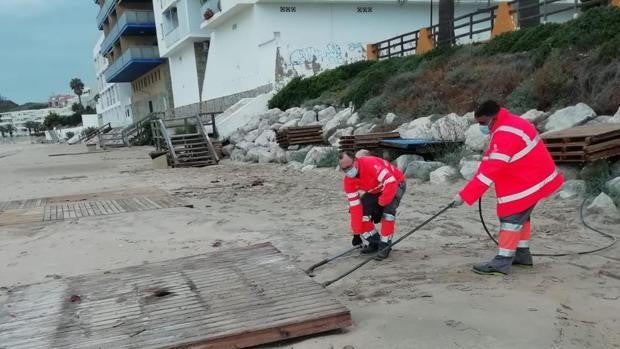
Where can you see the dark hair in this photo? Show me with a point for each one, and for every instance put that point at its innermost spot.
(347, 153)
(487, 108)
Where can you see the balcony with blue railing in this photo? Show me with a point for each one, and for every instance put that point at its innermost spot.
(133, 63)
(130, 23)
(104, 12)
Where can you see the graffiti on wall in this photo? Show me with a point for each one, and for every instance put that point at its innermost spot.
(310, 61)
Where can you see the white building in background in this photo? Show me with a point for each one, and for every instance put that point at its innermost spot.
(19, 119)
(254, 43)
(223, 50)
(114, 103)
(185, 44)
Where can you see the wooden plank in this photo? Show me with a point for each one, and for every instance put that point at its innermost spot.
(84, 205)
(94, 208)
(227, 299)
(583, 131)
(607, 145)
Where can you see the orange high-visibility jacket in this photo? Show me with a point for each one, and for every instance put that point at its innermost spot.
(519, 165)
(375, 175)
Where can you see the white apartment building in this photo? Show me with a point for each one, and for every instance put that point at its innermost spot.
(114, 103)
(185, 44)
(259, 45)
(19, 118)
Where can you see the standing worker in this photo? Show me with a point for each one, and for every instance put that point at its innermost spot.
(383, 186)
(523, 172)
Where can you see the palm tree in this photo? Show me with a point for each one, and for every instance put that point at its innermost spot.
(78, 88)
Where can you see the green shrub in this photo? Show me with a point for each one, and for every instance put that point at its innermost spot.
(88, 131)
(299, 90)
(453, 153)
(576, 61)
(370, 82)
(609, 50)
(595, 175)
(375, 107)
(554, 82)
(329, 160)
(591, 29)
(69, 134)
(145, 135)
(522, 98)
(298, 155)
(521, 40)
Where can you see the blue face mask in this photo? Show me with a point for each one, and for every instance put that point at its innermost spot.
(351, 173)
(485, 129)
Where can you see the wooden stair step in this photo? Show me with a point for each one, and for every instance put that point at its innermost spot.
(185, 150)
(194, 158)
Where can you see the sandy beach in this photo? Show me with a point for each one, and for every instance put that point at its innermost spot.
(423, 296)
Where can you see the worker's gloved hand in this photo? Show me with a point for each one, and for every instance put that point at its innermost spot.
(458, 201)
(357, 240)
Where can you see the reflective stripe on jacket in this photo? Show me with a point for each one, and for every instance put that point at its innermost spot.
(375, 175)
(517, 163)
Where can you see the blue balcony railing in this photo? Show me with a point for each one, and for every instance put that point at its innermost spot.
(104, 12)
(131, 23)
(133, 63)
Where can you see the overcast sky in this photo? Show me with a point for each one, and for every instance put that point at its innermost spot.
(45, 43)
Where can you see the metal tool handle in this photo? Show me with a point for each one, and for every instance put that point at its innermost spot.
(310, 270)
(327, 283)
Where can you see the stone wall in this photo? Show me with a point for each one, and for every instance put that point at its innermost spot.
(220, 104)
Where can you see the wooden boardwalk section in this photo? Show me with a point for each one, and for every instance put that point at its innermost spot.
(228, 299)
(584, 143)
(84, 205)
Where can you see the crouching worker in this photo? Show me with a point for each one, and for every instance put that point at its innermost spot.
(382, 186)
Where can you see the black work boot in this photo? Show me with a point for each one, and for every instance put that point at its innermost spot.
(499, 265)
(384, 250)
(523, 257)
(373, 244)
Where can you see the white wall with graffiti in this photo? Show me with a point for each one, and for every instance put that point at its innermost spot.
(270, 43)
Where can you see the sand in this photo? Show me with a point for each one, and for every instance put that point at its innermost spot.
(423, 296)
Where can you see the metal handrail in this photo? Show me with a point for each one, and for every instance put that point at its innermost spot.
(101, 129)
(162, 129)
(201, 130)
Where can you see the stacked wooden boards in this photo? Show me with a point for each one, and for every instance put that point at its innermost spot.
(368, 141)
(584, 143)
(300, 135)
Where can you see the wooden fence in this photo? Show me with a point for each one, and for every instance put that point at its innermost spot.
(493, 20)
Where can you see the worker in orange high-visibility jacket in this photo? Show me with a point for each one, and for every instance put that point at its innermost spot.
(382, 186)
(523, 172)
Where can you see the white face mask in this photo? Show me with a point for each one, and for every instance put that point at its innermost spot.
(351, 173)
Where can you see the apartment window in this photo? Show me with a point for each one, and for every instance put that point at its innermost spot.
(171, 20)
(150, 106)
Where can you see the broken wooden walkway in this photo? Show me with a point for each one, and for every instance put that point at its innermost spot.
(228, 299)
(84, 205)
